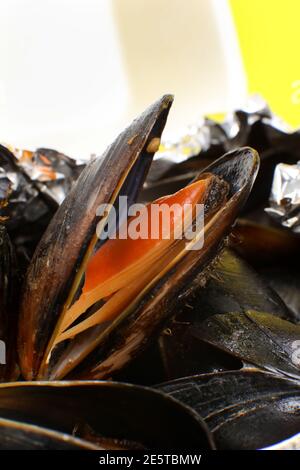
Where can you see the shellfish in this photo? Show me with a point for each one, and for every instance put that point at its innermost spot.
(80, 322)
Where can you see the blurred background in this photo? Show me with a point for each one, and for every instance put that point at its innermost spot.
(75, 72)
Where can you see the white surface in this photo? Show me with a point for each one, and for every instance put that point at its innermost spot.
(292, 443)
(75, 72)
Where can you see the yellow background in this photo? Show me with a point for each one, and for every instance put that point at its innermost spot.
(269, 35)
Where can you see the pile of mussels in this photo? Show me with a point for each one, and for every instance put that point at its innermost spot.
(117, 344)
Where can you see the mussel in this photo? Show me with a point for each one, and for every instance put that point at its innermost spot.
(274, 252)
(245, 410)
(231, 286)
(96, 415)
(20, 436)
(257, 405)
(8, 308)
(251, 401)
(78, 320)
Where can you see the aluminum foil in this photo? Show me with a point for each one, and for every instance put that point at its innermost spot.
(179, 160)
(52, 172)
(32, 185)
(210, 137)
(285, 196)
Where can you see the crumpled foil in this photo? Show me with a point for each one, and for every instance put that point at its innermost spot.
(32, 185)
(238, 128)
(179, 160)
(285, 196)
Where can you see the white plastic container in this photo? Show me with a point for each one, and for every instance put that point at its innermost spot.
(75, 72)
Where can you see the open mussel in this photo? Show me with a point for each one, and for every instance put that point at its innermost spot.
(90, 305)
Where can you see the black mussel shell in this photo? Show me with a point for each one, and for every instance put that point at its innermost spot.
(245, 410)
(109, 414)
(21, 436)
(51, 275)
(231, 286)
(8, 308)
(257, 338)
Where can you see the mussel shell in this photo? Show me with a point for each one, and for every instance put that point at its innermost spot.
(20, 436)
(264, 244)
(285, 280)
(111, 410)
(231, 286)
(245, 410)
(256, 338)
(61, 251)
(274, 251)
(8, 308)
(128, 336)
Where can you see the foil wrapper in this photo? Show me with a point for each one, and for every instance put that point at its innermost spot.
(32, 185)
(210, 137)
(242, 127)
(285, 196)
(255, 125)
